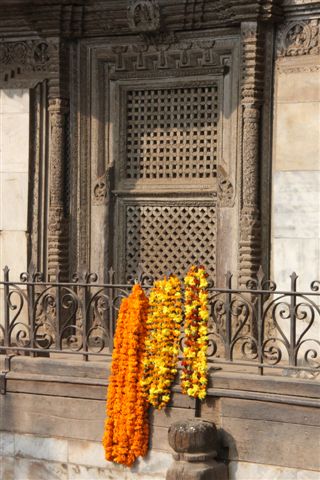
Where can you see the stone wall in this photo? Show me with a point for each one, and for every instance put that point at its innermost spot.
(14, 167)
(296, 171)
(52, 418)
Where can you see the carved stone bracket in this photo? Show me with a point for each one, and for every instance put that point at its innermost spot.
(299, 38)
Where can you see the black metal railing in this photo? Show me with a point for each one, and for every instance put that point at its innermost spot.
(258, 327)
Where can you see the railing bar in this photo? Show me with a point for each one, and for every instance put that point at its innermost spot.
(61, 352)
(129, 287)
(285, 366)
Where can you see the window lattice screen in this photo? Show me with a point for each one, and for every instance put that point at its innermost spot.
(172, 133)
(170, 238)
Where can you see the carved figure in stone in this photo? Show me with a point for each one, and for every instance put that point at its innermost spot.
(101, 189)
(144, 15)
(299, 38)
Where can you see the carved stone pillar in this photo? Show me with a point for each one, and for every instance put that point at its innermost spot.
(58, 224)
(251, 100)
(195, 444)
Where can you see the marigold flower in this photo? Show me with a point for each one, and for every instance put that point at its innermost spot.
(126, 433)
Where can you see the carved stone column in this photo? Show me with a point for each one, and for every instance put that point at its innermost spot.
(58, 225)
(251, 100)
(195, 444)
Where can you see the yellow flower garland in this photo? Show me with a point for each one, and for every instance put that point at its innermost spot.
(126, 428)
(162, 343)
(194, 374)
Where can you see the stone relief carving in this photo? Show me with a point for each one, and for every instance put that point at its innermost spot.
(101, 189)
(225, 189)
(25, 58)
(299, 38)
(144, 15)
(162, 51)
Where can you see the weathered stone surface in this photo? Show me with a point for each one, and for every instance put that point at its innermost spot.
(86, 453)
(50, 449)
(27, 469)
(6, 444)
(7, 468)
(259, 471)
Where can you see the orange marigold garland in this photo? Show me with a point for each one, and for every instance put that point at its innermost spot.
(162, 343)
(194, 374)
(126, 433)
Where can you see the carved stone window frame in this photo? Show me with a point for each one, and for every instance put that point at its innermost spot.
(104, 65)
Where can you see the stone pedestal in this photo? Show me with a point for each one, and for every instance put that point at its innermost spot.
(195, 445)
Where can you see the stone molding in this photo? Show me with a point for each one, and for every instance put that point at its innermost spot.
(78, 18)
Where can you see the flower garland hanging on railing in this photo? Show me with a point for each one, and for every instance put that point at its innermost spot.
(162, 343)
(126, 428)
(194, 374)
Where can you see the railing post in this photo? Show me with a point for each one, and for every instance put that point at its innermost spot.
(111, 326)
(228, 355)
(6, 306)
(259, 313)
(31, 313)
(293, 320)
(85, 304)
(58, 342)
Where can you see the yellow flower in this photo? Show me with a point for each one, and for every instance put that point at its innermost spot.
(193, 375)
(162, 348)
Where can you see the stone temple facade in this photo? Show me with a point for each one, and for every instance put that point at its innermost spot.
(161, 133)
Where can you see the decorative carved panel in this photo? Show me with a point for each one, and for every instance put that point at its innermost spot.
(170, 237)
(172, 133)
(25, 62)
(299, 38)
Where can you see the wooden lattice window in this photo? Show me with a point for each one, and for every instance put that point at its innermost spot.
(172, 133)
(170, 237)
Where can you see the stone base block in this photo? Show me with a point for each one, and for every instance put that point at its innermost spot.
(198, 471)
